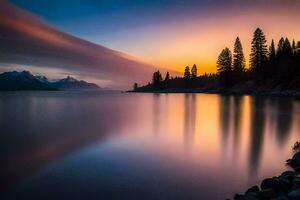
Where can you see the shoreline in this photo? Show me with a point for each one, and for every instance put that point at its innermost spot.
(286, 186)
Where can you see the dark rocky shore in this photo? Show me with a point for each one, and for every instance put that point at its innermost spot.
(286, 186)
(248, 88)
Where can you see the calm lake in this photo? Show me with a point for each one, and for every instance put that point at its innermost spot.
(74, 145)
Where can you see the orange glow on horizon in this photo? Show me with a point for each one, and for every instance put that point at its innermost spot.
(199, 41)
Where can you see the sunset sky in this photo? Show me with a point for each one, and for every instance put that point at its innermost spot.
(170, 33)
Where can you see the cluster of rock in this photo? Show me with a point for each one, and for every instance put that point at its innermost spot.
(283, 187)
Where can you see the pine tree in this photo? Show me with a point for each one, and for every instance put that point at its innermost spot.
(287, 48)
(280, 47)
(187, 73)
(167, 78)
(294, 48)
(224, 61)
(272, 52)
(238, 57)
(156, 80)
(258, 56)
(135, 86)
(224, 66)
(194, 71)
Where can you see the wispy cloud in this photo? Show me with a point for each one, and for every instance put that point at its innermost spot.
(26, 40)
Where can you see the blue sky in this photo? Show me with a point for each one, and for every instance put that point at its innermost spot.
(170, 34)
(105, 21)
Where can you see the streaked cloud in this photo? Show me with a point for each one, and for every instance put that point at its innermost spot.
(26, 40)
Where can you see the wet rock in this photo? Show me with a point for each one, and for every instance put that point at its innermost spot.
(296, 168)
(296, 183)
(295, 194)
(266, 184)
(295, 161)
(288, 173)
(266, 194)
(252, 190)
(244, 197)
(284, 187)
(238, 197)
(280, 197)
(284, 184)
(290, 162)
(270, 183)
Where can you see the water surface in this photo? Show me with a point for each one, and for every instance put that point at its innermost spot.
(58, 145)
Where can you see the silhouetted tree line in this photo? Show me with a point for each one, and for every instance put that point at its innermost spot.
(279, 65)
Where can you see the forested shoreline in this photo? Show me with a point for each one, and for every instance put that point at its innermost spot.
(273, 70)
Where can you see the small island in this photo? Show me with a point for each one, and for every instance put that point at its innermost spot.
(272, 71)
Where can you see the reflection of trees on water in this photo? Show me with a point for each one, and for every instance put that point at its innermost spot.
(234, 104)
(156, 114)
(284, 117)
(237, 103)
(230, 114)
(225, 119)
(257, 125)
(189, 118)
(280, 120)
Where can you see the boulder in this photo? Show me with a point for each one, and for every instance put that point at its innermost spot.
(285, 184)
(296, 183)
(266, 194)
(294, 194)
(288, 173)
(271, 183)
(296, 168)
(244, 197)
(296, 158)
(266, 184)
(280, 197)
(252, 190)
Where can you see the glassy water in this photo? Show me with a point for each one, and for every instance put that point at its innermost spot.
(57, 145)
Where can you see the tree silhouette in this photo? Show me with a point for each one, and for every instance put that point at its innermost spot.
(238, 60)
(194, 71)
(224, 65)
(187, 73)
(258, 56)
(269, 67)
(280, 47)
(156, 80)
(135, 86)
(287, 48)
(167, 78)
(294, 48)
(272, 52)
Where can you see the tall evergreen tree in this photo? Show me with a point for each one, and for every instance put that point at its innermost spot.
(238, 57)
(135, 86)
(272, 52)
(167, 78)
(187, 73)
(258, 56)
(294, 48)
(287, 48)
(194, 71)
(156, 80)
(280, 47)
(224, 66)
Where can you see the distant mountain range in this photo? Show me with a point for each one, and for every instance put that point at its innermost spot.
(12, 81)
